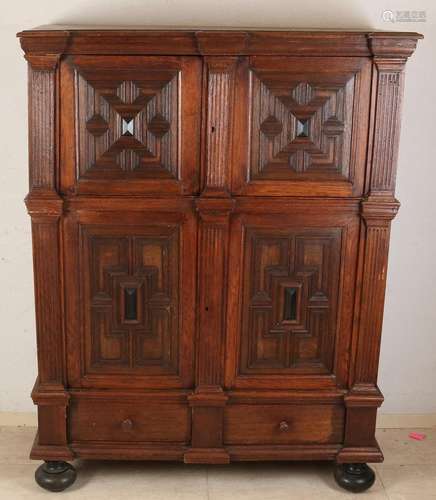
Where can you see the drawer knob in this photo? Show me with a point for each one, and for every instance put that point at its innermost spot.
(127, 424)
(284, 426)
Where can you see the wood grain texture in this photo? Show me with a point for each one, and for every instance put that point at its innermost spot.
(269, 357)
(283, 424)
(83, 40)
(306, 261)
(301, 125)
(131, 125)
(213, 252)
(210, 215)
(47, 281)
(390, 82)
(377, 216)
(220, 82)
(117, 421)
(147, 264)
(42, 127)
(150, 251)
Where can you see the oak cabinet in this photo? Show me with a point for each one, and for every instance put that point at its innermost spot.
(210, 217)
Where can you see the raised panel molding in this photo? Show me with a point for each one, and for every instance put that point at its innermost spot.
(131, 125)
(130, 317)
(146, 340)
(128, 122)
(307, 262)
(300, 126)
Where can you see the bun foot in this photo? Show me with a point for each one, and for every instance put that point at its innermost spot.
(354, 477)
(55, 476)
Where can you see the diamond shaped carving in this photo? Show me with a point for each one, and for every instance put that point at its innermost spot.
(97, 125)
(158, 126)
(126, 127)
(271, 127)
(304, 262)
(300, 127)
(302, 93)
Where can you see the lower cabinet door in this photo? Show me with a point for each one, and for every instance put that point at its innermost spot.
(292, 272)
(130, 295)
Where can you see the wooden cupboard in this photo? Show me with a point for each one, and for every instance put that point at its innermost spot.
(210, 217)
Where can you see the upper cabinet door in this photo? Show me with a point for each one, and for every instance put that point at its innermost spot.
(130, 124)
(301, 126)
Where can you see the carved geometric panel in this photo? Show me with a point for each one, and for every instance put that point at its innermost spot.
(127, 122)
(133, 302)
(290, 301)
(300, 124)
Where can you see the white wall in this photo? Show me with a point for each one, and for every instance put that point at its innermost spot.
(408, 363)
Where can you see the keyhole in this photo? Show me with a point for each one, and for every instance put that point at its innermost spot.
(212, 129)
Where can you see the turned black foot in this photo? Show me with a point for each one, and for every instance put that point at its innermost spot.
(354, 477)
(55, 476)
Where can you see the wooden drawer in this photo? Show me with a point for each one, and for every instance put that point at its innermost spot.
(95, 420)
(283, 424)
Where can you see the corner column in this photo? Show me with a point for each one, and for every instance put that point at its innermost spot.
(45, 208)
(378, 208)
